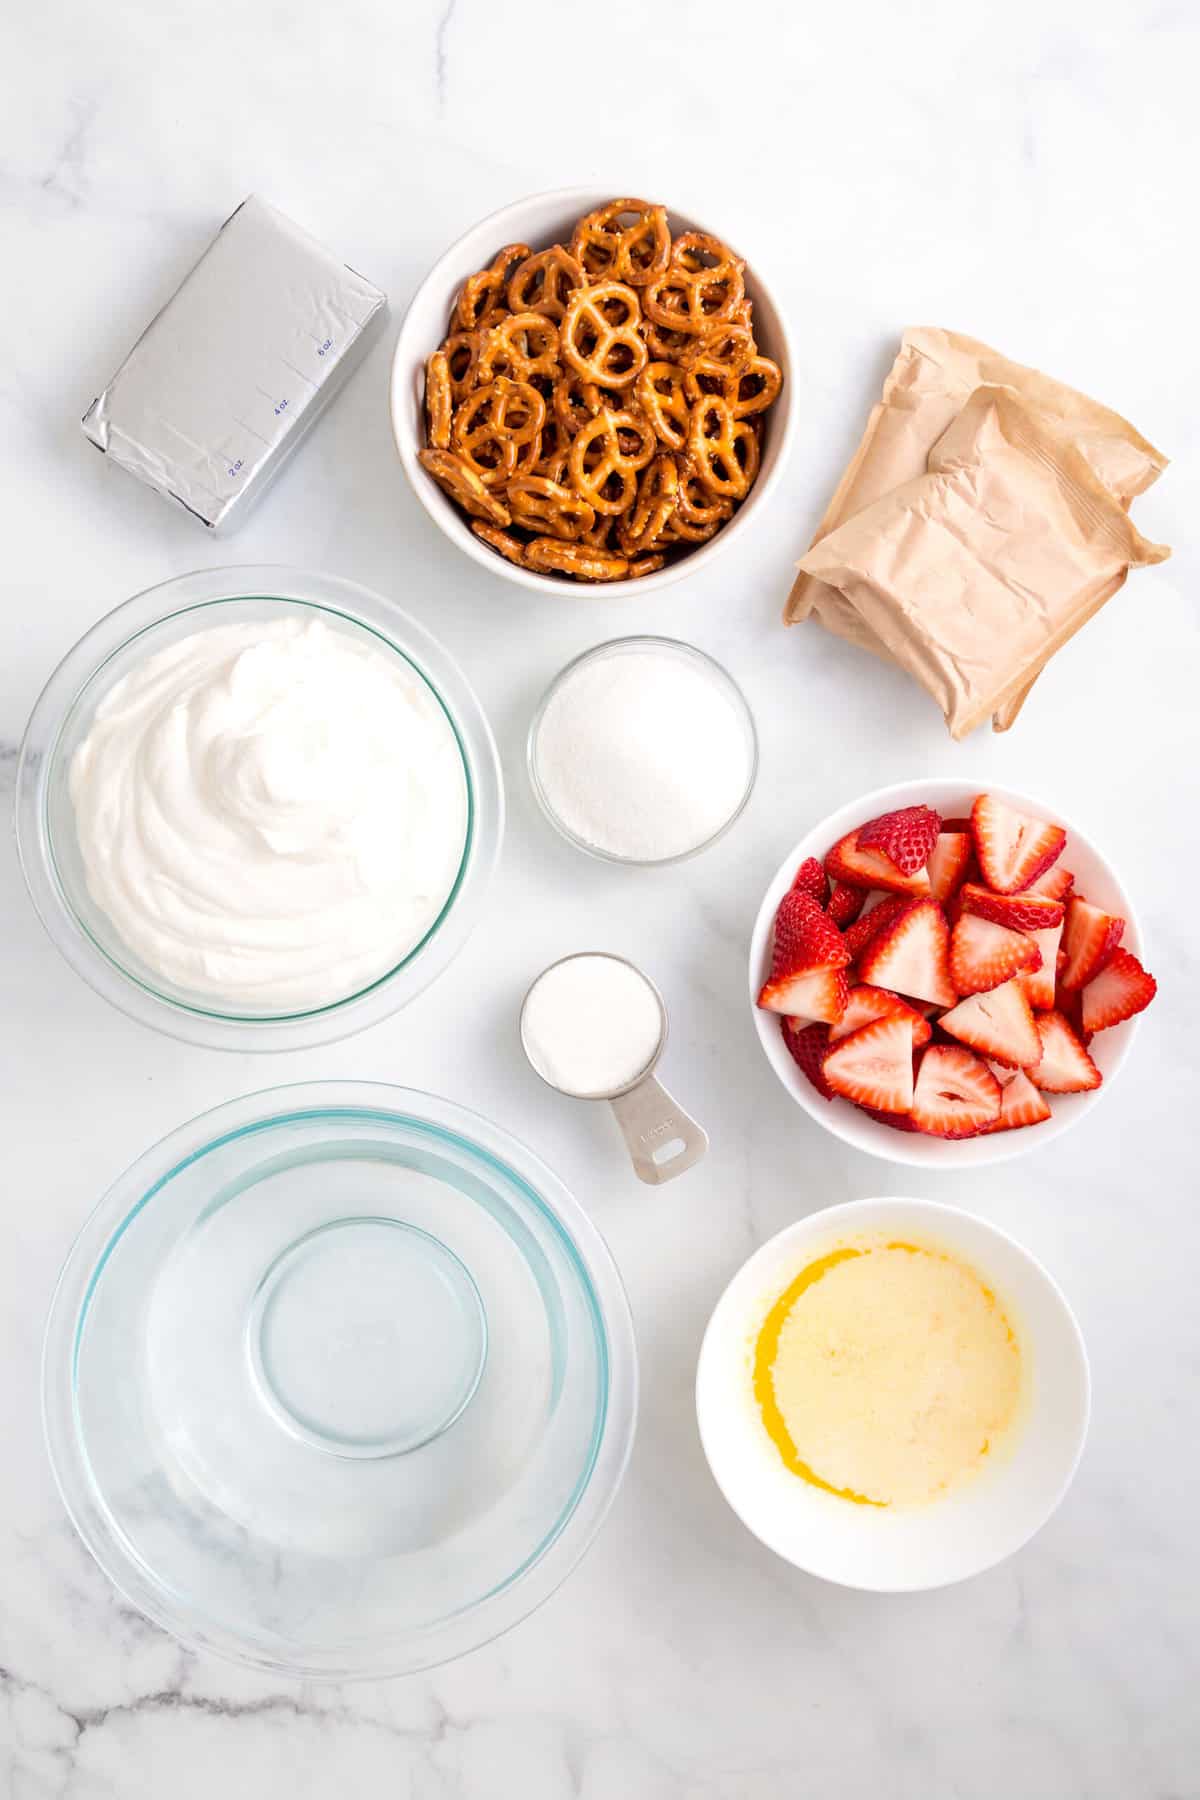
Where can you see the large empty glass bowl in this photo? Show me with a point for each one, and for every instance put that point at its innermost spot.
(339, 1380)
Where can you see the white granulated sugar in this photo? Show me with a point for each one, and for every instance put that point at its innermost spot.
(591, 1025)
(643, 754)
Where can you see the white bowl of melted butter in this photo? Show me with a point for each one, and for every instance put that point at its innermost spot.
(893, 1395)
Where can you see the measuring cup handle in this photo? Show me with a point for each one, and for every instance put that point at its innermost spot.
(663, 1141)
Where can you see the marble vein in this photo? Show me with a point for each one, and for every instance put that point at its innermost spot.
(998, 178)
(441, 53)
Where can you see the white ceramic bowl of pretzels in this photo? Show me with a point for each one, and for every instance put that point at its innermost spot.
(592, 392)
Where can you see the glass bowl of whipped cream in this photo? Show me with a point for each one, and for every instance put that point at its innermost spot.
(258, 808)
(339, 1381)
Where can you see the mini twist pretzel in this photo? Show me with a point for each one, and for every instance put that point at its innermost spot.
(696, 250)
(521, 346)
(658, 489)
(665, 344)
(716, 362)
(634, 253)
(723, 450)
(698, 513)
(545, 282)
(679, 531)
(551, 554)
(757, 387)
(554, 468)
(662, 396)
(606, 456)
(546, 506)
(503, 541)
(552, 451)
(462, 484)
(553, 461)
(601, 536)
(635, 434)
(497, 430)
(701, 286)
(575, 401)
(462, 360)
(600, 337)
(644, 565)
(484, 298)
(438, 400)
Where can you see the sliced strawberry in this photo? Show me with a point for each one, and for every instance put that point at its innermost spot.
(1121, 989)
(811, 879)
(911, 954)
(806, 942)
(1020, 912)
(808, 1045)
(1070, 1004)
(859, 935)
(956, 825)
(983, 955)
(1089, 938)
(845, 903)
(1020, 1102)
(874, 1066)
(868, 1003)
(905, 837)
(953, 908)
(1065, 1066)
(817, 994)
(999, 1023)
(1055, 882)
(897, 1121)
(1013, 847)
(1038, 983)
(848, 862)
(948, 864)
(956, 1094)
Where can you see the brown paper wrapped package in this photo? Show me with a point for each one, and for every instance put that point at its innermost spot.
(972, 575)
(932, 377)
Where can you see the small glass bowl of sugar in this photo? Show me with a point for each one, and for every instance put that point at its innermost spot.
(642, 751)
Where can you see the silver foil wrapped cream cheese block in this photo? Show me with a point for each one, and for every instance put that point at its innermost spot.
(223, 384)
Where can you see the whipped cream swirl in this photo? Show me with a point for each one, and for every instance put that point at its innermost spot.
(272, 814)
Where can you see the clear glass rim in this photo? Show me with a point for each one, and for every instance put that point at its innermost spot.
(542, 1570)
(314, 1012)
(260, 584)
(635, 642)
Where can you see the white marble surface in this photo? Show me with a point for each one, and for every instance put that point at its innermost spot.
(1024, 173)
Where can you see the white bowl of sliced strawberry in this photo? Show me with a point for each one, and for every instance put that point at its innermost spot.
(937, 969)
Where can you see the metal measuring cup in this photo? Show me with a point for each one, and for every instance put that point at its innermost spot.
(662, 1139)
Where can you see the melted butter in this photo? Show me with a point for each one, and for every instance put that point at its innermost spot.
(893, 1380)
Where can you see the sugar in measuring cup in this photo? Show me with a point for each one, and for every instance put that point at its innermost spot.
(594, 1027)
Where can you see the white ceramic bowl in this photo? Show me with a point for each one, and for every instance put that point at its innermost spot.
(1094, 876)
(993, 1513)
(541, 220)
